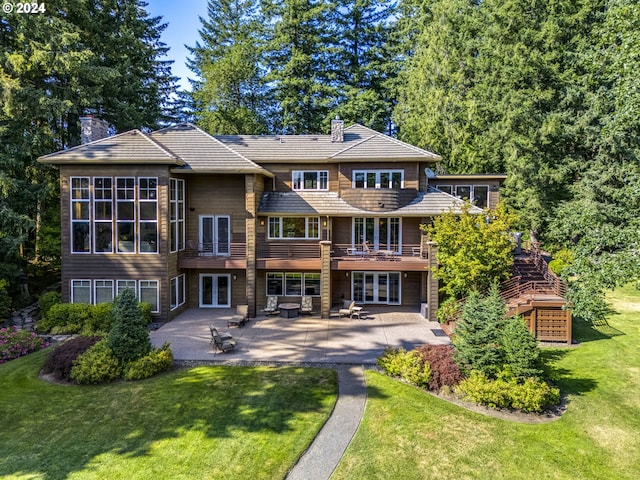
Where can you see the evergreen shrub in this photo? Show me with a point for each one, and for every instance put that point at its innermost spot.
(48, 300)
(408, 365)
(156, 361)
(128, 339)
(96, 365)
(60, 361)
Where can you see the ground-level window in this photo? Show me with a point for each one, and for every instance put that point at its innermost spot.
(148, 293)
(177, 287)
(122, 285)
(103, 291)
(293, 284)
(80, 291)
(376, 287)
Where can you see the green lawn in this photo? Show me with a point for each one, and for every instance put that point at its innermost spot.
(204, 422)
(408, 434)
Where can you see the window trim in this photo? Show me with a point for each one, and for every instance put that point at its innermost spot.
(95, 289)
(300, 174)
(89, 286)
(73, 221)
(174, 288)
(307, 224)
(140, 221)
(177, 195)
(141, 286)
(282, 278)
(377, 173)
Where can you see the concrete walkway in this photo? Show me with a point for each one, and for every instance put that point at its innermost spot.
(324, 454)
(343, 343)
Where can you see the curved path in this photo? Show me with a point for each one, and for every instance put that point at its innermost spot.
(324, 454)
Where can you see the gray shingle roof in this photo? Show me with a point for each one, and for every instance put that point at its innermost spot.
(125, 148)
(432, 202)
(203, 153)
(359, 143)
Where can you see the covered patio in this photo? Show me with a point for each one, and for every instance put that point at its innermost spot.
(305, 339)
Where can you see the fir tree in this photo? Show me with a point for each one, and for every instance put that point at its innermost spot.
(128, 339)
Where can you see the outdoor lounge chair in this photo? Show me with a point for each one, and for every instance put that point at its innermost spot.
(221, 344)
(347, 308)
(240, 318)
(272, 306)
(223, 335)
(306, 304)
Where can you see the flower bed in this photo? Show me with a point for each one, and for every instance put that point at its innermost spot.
(15, 343)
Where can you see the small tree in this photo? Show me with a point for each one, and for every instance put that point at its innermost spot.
(520, 349)
(477, 336)
(474, 251)
(129, 337)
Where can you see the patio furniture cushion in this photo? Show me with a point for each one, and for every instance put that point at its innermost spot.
(306, 304)
(272, 305)
(347, 308)
(223, 345)
(240, 318)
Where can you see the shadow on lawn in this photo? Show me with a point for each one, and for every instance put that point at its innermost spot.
(83, 423)
(563, 378)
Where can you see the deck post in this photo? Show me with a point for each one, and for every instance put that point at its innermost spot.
(325, 278)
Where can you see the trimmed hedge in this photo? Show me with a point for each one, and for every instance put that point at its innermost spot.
(409, 366)
(82, 318)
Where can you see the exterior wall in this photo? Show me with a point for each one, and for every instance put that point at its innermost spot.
(116, 266)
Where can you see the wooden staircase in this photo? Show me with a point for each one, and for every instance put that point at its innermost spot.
(539, 296)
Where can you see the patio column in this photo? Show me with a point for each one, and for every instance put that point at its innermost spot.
(325, 278)
(250, 226)
(432, 283)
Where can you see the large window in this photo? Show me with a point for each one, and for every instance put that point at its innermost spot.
(477, 194)
(103, 291)
(380, 233)
(294, 227)
(80, 291)
(176, 214)
(148, 215)
(378, 178)
(177, 286)
(80, 215)
(376, 287)
(310, 180)
(118, 215)
(293, 284)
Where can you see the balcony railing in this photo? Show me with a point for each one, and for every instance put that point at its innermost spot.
(289, 250)
(361, 252)
(234, 250)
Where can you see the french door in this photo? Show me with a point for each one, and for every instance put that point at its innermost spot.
(215, 290)
(376, 287)
(214, 234)
(381, 233)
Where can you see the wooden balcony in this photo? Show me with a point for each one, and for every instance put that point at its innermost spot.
(405, 258)
(211, 255)
(289, 255)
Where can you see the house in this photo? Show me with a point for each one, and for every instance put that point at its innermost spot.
(188, 219)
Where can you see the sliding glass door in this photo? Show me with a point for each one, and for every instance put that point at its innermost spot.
(214, 234)
(215, 291)
(380, 233)
(376, 287)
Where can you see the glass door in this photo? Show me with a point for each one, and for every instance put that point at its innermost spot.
(215, 291)
(214, 235)
(376, 287)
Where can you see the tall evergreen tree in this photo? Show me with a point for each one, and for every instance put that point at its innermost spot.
(298, 62)
(229, 95)
(363, 62)
(80, 57)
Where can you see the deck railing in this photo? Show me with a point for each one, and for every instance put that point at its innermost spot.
(395, 252)
(235, 250)
(289, 250)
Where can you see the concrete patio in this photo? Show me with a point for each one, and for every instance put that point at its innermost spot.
(305, 339)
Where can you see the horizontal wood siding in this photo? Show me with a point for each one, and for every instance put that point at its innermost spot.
(283, 174)
(411, 288)
(216, 195)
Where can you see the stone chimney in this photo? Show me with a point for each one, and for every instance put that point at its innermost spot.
(337, 130)
(92, 129)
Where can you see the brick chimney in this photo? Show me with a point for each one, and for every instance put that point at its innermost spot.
(337, 130)
(92, 129)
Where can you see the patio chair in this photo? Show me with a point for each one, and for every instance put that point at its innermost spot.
(347, 308)
(220, 344)
(306, 304)
(223, 335)
(240, 318)
(272, 306)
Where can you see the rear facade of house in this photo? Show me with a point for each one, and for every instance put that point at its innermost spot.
(190, 220)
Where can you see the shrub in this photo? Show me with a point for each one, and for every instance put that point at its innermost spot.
(444, 369)
(531, 395)
(48, 300)
(96, 365)
(60, 361)
(129, 337)
(15, 343)
(5, 299)
(448, 311)
(156, 361)
(99, 321)
(407, 365)
(520, 349)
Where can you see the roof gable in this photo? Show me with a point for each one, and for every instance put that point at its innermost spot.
(124, 148)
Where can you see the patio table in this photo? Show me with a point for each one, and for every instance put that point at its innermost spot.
(289, 310)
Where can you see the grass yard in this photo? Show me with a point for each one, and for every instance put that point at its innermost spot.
(409, 434)
(199, 423)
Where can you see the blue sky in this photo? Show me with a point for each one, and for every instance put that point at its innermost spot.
(182, 17)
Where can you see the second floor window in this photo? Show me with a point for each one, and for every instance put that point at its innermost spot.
(310, 180)
(294, 228)
(477, 194)
(378, 178)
